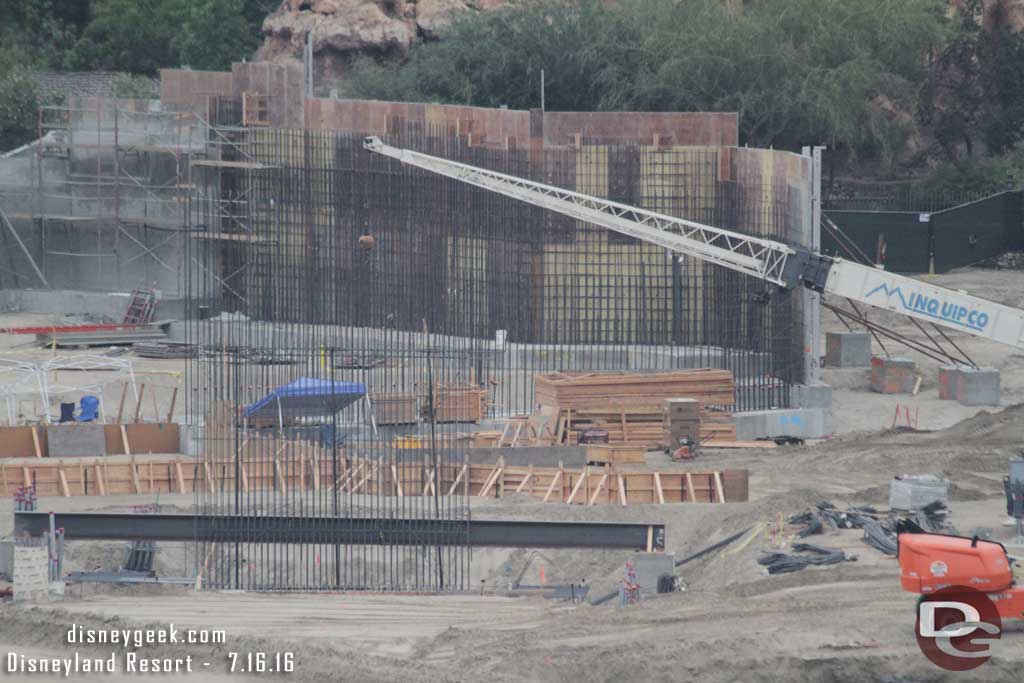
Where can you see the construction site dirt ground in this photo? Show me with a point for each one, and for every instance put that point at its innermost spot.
(842, 622)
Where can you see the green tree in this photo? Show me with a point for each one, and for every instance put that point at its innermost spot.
(18, 107)
(213, 34)
(142, 36)
(42, 33)
(131, 35)
(797, 71)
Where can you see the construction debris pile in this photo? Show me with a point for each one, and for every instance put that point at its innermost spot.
(880, 529)
(783, 563)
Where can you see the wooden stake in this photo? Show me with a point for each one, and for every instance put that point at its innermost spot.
(156, 411)
(394, 475)
(551, 487)
(35, 443)
(209, 476)
(64, 489)
(529, 474)
(100, 485)
(691, 494)
(135, 476)
(170, 411)
(180, 475)
(245, 476)
(206, 563)
(279, 476)
(579, 482)
(658, 489)
(316, 472)
(650, 539)
(492, 478)
(28, 478)
(622, 490)
(366, 477)
(124, 440)
(719, 488)
(138, 406)
(455, 484)
(600, 484)
(120, 408)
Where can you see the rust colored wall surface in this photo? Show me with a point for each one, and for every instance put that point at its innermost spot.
(493, 127)
(673, 128)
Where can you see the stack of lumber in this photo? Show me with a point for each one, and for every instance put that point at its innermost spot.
(630, 405)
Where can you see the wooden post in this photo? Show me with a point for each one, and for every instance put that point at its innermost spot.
(315, 466)
(180, 475)
(170, 411)
(35, 443)
(120, 408)
(209, 476)
(658, 489)
(100, 484)
(124, 440)
(279, 476)
(138, 406)
(650, 539)
(245, 476)
(719, 488)
(206, 563)
(64, 489)
(622, 490)
(455, 484)
(135, 476)
(691, 494)
(600, 484)
(579, 482)
(557, 479)
(529, 475)
(492, 478)
(394, 474)
(27, 476)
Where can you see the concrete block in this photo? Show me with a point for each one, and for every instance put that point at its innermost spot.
(650, 566)
(76, 440)
(978, 387)
(949, 376)
(893, 375)
(915, 492)
(847, 349)
(811, 396)
(31, 572)
(803, 423)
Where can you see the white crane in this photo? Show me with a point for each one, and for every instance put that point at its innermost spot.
(783, 265)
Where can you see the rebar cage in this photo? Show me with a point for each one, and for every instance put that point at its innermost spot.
(313, 264)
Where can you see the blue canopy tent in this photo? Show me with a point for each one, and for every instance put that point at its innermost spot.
(306, 397)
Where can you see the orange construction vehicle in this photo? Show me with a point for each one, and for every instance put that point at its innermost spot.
(931, 562)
